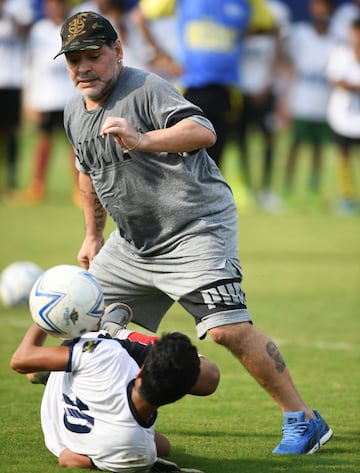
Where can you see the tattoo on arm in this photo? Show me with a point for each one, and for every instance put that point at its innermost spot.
(98, 214)
(274, 353)
(95, 214)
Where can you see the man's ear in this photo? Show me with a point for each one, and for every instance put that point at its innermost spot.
(119, 49)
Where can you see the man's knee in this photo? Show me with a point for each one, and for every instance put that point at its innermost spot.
(227, 335)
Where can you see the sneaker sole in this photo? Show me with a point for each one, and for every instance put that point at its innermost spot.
(190, 470)
(324, 439)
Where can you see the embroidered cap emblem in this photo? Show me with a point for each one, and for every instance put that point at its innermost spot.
(76, 27)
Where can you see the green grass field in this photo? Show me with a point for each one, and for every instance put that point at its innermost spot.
(302, 278)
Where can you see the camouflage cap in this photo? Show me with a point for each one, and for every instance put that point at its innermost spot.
(85, 31)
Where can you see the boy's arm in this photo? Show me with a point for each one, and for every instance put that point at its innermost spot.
(343, 84)
(32, 356)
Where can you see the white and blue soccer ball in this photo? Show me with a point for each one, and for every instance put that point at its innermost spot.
(16, 281)
(66, 302)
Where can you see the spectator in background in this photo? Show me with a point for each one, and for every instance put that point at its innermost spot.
(209, 68)
(309, 46)
(101, 6)
(47, 90)
(16, 17)
(211, 36)
(258, 72)
(343, 71)
(158, 21)
(126, 18)
(137, 49)
(343, 17)
(282, 15)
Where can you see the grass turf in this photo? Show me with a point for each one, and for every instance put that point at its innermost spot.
(302, 274)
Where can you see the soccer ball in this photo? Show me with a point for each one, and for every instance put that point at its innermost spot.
(66, 302)
(16, 282)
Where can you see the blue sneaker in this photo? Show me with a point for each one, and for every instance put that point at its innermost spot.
(303, 437)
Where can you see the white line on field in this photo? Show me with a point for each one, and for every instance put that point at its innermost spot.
(318, 344)
(341, 346)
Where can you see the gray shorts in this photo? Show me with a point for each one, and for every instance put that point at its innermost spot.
(213, 296)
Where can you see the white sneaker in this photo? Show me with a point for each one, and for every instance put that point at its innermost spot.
(270, 202)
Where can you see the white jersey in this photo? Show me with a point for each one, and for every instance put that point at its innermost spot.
(257, 63)
(48, 86)
(22, 11)
(344, 105)
(88, 409)
(310, 89)
(341, 21)
(282, 15)
(257, 67)
(12, 54)
(137, 51)
(89, 5)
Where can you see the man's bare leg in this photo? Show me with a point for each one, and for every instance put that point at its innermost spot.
(263, 360)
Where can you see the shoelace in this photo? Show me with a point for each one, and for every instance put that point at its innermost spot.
(291, 432)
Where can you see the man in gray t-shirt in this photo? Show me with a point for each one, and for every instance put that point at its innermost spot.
(141, 151)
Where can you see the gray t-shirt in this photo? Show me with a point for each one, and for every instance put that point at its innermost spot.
(159, 201)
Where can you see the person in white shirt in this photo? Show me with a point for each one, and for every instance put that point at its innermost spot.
(47, 90)
(159, 22)
(100, 402)
(282, 14)
(16, 17)
(342, 19)
(309, 46)
(124, 16)
(343, 70)
(258, 73)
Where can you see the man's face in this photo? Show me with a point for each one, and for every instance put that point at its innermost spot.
(94, 72)
(320, 10)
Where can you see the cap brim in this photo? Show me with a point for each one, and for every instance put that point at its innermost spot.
(59, 53)
(84, 47)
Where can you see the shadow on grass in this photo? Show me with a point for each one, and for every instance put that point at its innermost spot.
(321, 462)
(341, 454)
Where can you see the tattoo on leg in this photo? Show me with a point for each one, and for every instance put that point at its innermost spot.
(274, 353)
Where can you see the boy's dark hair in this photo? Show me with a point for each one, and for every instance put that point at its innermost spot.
(170, 370)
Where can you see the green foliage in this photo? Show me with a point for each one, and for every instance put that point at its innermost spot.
(302, 276)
